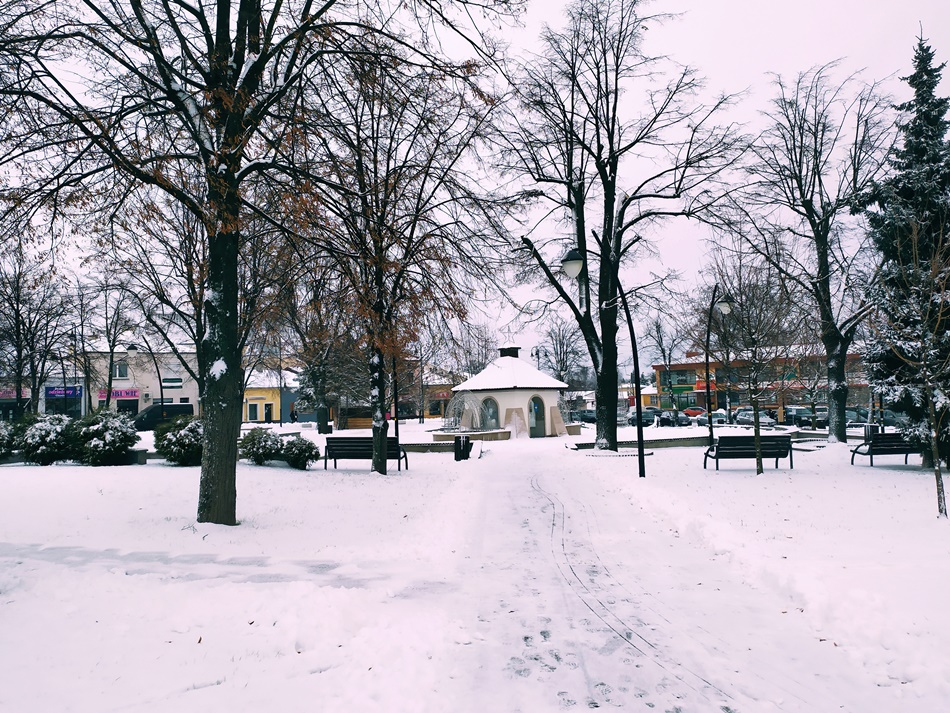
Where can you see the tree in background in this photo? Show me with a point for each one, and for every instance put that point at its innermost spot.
(668, 342)
(825, 143)
(34, 321)
(563, 352)
(406, 225)
(908, 354)
(761, 329)
(194, 100)
(612, 148)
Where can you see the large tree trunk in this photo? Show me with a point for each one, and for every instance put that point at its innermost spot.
(224, 374)
(837, 392)
(606, 392)
(380, 425)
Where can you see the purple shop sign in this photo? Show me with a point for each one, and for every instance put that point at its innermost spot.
(57, 392)
(120, 394)
(11, 393)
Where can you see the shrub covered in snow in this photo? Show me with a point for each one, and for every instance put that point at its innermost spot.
(300, 452)
(260, 445)
(180, 441)
(45, 440)
(104, 438)
(6, 439)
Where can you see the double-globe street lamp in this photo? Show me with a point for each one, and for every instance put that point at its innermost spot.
(724, 305)
(573, 264)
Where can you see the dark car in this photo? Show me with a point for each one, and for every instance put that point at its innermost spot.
(648, 415)
(587, 415)
(151, 416)
(674, 418)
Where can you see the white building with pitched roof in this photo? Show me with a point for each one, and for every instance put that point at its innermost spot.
(516, 396)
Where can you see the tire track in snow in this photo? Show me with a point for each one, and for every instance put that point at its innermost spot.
(626, 627)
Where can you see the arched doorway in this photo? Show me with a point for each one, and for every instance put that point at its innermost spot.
(490, 410)
(536, 428)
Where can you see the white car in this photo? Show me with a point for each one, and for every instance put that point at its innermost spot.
(747, 418)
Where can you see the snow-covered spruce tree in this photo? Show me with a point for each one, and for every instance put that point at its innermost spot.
(908, 354)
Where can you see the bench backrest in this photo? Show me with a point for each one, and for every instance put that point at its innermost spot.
(358, 444)
(773, 446)
(888, 438)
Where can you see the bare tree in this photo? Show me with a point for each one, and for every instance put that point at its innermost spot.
(668, 342)
(34, 321)
(826, 143)
(407, 228)
(195, 100)
(612, 147)
(563, 349)
(758, 332)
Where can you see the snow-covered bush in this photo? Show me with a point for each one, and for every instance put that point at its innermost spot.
(260, 445)
(180, 441)
(6, 439)
(104, 438)
(300, 452)
(45, 440)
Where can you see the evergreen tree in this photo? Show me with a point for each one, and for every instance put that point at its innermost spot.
(908, 355)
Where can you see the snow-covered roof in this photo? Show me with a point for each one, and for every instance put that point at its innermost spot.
(269, 379)
(509, 373)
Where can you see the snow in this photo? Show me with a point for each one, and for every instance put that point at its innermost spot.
(218, 369)
(509, 373)
(531, 578)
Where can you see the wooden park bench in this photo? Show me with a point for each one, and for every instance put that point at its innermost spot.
(734, 447)
(884, 444)
(361, 448)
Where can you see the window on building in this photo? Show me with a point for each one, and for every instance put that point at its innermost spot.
(184, 400)
(120, 369)
(252, 412)
(491, 413)
(171, 382)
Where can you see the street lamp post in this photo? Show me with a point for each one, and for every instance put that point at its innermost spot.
(724, 305)
(573, 264)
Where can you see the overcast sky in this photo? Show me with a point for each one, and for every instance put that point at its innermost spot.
(735, 44)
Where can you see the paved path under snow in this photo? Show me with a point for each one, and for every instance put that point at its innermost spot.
(569, 591)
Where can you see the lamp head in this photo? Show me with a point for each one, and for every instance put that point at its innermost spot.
(725, 304)
(131, 350)
(572, 263)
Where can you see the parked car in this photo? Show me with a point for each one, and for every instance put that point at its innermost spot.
(674, 418)
(587, 415)
(694, 411)
(718, 417)
(151, 416)
(647, 418)
(747, 418)
(804, 417)
(649, 414)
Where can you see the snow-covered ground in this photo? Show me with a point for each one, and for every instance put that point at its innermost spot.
(534, 578)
